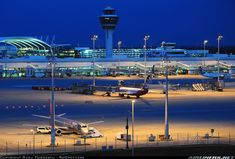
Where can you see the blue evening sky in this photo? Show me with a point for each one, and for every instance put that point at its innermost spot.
(186, 22)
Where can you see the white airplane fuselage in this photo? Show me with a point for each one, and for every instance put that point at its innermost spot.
(72, 125)
(129, 91)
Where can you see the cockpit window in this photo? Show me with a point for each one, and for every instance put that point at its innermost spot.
(84, 126)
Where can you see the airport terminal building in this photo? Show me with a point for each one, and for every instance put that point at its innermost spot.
(31, 57)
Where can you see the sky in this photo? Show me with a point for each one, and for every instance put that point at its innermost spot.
(186, 22)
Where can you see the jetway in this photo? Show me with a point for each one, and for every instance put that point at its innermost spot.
(140, 66)
(182, 65)
(192, 69)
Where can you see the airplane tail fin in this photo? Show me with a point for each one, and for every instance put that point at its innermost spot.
(148, 79)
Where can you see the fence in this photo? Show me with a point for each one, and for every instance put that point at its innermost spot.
(66, 143)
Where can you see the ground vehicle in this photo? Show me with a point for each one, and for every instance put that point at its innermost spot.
(43, 129)
(123, 137)
(93, 133)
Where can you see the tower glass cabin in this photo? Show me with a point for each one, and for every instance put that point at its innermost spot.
(109, 20)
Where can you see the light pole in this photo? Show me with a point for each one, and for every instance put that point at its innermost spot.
(119, 45)
(53, 139)
(94, 38)
(219, 39)
(133, 120)
(146, 38)
(119, 49)
(127, 133)
(204, 43)
(166, 98)
(33, 140)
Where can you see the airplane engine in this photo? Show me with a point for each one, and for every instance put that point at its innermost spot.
(58, 132)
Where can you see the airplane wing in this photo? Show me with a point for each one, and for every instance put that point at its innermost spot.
(31, 125)
(48, 117)
(96, 122)
(41, 116)
(61, 114)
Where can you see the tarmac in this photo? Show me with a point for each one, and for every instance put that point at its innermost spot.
(191, 114)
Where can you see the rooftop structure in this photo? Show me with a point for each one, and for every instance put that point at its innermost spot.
(23, 46)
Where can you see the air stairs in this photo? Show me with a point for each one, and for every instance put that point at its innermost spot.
(198, 87)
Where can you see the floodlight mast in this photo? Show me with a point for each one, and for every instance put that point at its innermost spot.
(219, 39)
(166, 136)
(146, 38)
(119, 49)
(133, 123)
(204, 43)
(94, 38)
(53, 139)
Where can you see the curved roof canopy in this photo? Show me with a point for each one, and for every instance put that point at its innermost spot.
(28, 43)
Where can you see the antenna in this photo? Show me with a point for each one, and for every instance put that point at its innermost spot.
(47, 38)
(53, 39)
(41, 37)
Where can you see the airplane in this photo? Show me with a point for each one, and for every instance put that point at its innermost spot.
(129, 91)
(215, 75)
(65, 125)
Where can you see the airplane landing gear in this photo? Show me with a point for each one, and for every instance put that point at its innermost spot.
(121, 95)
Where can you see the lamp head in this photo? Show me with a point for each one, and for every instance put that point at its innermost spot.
(219, 37)
(205, 41)
(146, 37)
(95, 37)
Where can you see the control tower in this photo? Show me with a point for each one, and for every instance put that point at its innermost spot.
(109, 20)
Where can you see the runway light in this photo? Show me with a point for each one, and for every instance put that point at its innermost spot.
(13, 107)
(6, 107)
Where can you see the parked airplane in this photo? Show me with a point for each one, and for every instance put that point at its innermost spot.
(129, 91)
(215, 75)
(65, 125)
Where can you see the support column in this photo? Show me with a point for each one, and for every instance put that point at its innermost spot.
(109, 43)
